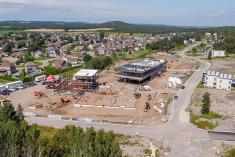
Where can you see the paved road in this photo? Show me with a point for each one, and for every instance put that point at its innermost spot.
(178, 134)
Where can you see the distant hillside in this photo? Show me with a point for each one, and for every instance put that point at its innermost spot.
(127, 27)
(118, 26)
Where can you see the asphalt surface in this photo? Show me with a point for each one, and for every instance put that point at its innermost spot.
(178, 133)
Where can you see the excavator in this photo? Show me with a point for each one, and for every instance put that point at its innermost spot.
(147, 104)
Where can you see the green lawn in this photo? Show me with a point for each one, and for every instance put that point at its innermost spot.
(7, 79)
(229, 152)
(69, 73)
(4, 81)
(205, 124)
(42, 58)
(39, 63)
(200, 85)
(3, 32)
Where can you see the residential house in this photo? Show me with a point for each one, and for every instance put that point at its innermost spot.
(214, 53)
(64, 50)
(218, 53)
(9, 67)
(3, 72)
(60, 64)
(52, 51)
(17, 55)
(32, 68)
(38, 54)
(1, 52)
(100, 51)
(76, 57)
(79, 48)
(217, 80)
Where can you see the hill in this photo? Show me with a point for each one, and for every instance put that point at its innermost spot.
(119, 26)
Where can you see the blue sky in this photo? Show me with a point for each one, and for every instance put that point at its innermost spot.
(170, 12)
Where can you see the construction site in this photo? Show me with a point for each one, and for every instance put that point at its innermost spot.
(141, 71)
(139, 96)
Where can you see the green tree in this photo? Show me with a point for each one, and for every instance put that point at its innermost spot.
(49, 70)
(87, 58)
(206, 104)
(209, 55)
(8, 47)
(22, 74)
(102, 35)
(21, 44)
(28, 57)
(19, 113)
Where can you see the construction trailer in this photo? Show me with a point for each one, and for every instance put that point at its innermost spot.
(41, 78)
(141, 71)
(84, 80)
(14, 85)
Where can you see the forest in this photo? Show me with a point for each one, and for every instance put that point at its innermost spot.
(19, 139)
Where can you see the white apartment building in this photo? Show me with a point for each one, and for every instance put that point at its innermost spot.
(217, 80)
(217, 53)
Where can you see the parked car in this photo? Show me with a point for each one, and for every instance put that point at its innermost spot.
(44, 82)
(5, 92)
(176, 97)
(20, 87)
(12, 89)
(51, 86)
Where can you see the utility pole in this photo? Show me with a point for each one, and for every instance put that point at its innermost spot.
(140, 119)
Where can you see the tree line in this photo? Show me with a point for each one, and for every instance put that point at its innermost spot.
(166, 45)
(19, 139)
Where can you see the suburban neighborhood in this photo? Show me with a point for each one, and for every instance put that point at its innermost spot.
(160, 85)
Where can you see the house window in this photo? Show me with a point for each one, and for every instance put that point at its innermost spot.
(220, 81)
(229, 87)
(206, 78)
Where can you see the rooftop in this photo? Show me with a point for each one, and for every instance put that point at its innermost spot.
(220, 75)
(142, 65)
(86, 73)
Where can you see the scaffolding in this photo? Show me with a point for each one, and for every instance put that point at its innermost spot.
(83, 81)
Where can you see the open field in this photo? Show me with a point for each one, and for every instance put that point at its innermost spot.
(44, 30)
(222, 102)
(2, 32)
(91, 30)
(71, 30)
(114, 102)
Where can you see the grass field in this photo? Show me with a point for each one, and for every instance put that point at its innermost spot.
(42, 58)
(2, 32)
(196, 119)
(71, 30)
(4, 81)
(7, 79)
(69, 73)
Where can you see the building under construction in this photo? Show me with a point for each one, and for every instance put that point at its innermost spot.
(141, 71)
(84, 80)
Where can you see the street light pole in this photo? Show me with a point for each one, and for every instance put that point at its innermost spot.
(140, 119)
